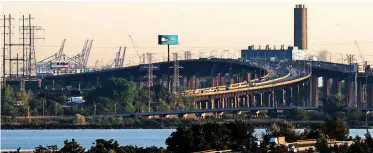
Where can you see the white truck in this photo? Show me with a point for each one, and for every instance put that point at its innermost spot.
(272, 59)
(75, 100)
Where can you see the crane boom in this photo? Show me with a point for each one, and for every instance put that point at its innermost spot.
(122, 61)
(358, 48)
(134, 46)
(86, 57)
(82, 54)
(60, 52)
(117, 57)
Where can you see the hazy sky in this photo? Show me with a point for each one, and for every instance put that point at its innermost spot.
(213, 25)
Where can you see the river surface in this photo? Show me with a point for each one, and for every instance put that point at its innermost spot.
(29, 139)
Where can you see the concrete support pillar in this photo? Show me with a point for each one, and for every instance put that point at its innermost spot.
(212, 103)
(200, 105)
(336, 86)
(370, 95)
(235, 102)
(339, 87)
(283, 97)
(261, 99)
(248, 100)
(266, 99)
(255, 100)
(223, 103)
(326, 86)
(313, 90)
(303, 94)
(295, 95)
(206, 105)
(360, 94)
(348, 92)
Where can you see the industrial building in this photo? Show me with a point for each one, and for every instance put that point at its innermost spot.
(300, 27)
(267, 53)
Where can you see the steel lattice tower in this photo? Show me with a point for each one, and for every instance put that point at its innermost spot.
(150, 76)
(176, 76)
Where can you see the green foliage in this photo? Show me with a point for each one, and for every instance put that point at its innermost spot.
(313, 131)
(72, 147)
(322, 145)
(285, 129)
(297, 114)
(336, 129)
(333, 104)
(211, 136)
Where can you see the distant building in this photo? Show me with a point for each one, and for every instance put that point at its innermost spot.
(300, 27)
(267, 53)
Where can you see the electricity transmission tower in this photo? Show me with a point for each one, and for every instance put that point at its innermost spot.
(176, 75)
(350, 60)
(20, 54)
(150, 76)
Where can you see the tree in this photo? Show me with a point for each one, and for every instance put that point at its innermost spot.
(72, 147)
(103, 146)
(285, 129)
(314, 131)
(129, 108)
(211, 136)
(322, 145)
(333, 104)
(241, 134)
(297, 114)
(335, 128)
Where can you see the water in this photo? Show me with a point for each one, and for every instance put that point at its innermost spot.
(29, 139)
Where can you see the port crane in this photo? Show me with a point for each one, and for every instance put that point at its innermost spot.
(60, 52)
(137, 52)
(84, 55)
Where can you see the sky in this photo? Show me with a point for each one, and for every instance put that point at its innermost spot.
(202, 26)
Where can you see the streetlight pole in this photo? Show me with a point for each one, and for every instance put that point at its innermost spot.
(94, 103)
(115, 108)
(28, 113)
(330, 57)
(342, 57)
(366, 118)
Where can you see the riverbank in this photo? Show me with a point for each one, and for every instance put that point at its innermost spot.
(145, 124)
(153, 125)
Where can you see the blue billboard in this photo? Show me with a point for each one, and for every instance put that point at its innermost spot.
(168, 39)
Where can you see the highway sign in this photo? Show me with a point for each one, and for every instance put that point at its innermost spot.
(144, 67)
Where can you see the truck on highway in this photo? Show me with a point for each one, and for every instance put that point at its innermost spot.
(273, 59)
(75, 100)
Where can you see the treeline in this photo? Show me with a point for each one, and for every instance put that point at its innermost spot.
(114, 95)
(101, 146)
(236, 136)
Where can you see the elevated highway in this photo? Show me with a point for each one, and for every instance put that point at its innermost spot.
(297, 86)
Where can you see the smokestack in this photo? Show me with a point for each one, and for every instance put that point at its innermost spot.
(300, 27)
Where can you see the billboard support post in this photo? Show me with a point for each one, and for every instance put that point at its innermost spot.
(168, 52)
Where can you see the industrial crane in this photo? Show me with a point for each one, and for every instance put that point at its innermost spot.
(86, 57)
(122, 60)
(60, 52)
(358, 48)
(134, 46)
(82, 54)
(117, 58)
